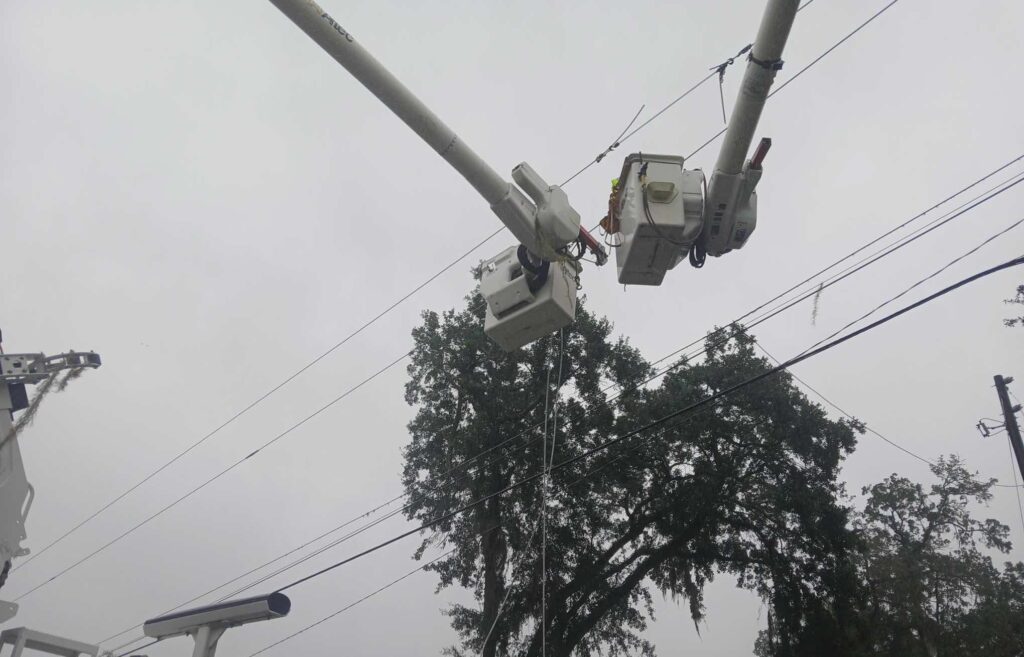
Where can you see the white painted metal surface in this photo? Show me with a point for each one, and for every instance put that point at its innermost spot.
(22, 639)
(546, 224)
(776, 24)
(206, 624)
(517, 315)
(730, 214)
(342, 46)
(654, 244)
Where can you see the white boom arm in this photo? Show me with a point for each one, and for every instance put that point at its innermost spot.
(546, 224)
(731, 207)
(765, 60)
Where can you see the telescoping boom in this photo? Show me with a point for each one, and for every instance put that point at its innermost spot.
(659, 212)
(530, 291)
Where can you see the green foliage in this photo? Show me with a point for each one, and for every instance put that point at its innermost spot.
(747, 489)
(930, 588)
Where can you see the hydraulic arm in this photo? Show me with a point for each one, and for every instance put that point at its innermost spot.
(16, 372)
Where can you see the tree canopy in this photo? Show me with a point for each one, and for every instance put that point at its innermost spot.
(746, 489)
(931, 586)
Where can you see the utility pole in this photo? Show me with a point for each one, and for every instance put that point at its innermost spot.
(1010, 417)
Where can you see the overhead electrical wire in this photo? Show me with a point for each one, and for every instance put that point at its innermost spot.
(359, 330)
(803, 70)
(545, 466)
(362, 328)
(866, 426)
(710, 399)
(128, 653)
(357, 602)
(893, 247)
(212, 479)
(861, 318)
(328, 617)
(924, 280)
(261, 398)
(976, 201)
(680, 412)
(791, 363)
(387, 310)
(624, 136)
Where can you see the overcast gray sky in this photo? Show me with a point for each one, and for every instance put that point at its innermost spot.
(196, 191)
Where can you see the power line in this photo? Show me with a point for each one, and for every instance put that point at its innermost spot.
(261, 398)
(215, 477)
(662, 420)
(891, 248)
(889, 232)
(278, 558)
(780, 366)
(863, 263)
(871, 312)
(627, 136)
(860, 422)
(366, 325)
(545, 467)
(697, 85)
(847, 415)
(803, 70)
(357, 602)
(145, 645)
(329, 351)
(924, 280)
(615, 144)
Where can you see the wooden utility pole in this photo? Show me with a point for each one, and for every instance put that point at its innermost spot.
(1010, 417)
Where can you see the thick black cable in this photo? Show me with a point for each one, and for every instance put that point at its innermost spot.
(353, 604)
(267, 563)
(924, 280)
(396, 304)
(662, 420)
(887, 233)
(870, 260)
(391, 307)
(871, 312)
(888, 250)
(899, 244)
